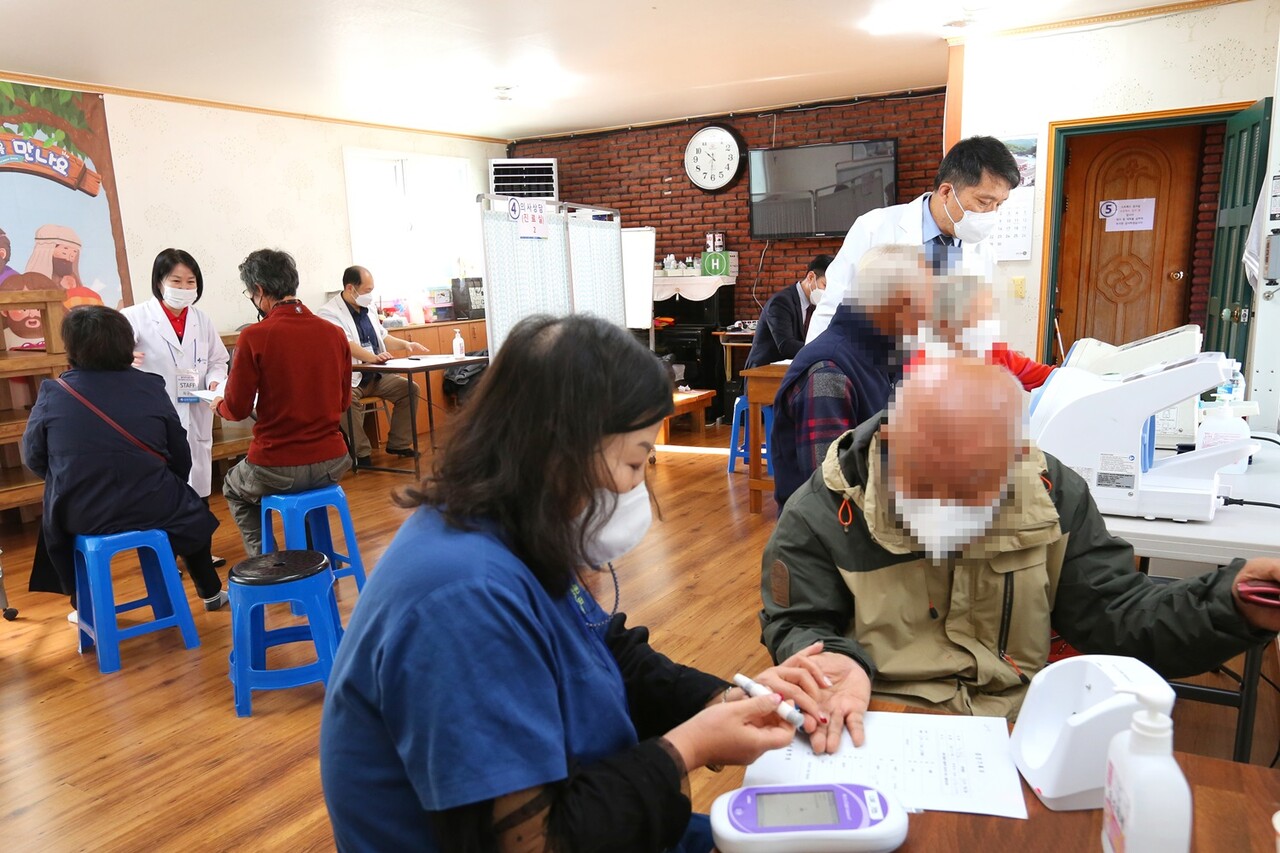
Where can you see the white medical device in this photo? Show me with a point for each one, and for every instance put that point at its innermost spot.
(1175, 425)
(813, 818)
(1071, 711)
(1103, 427)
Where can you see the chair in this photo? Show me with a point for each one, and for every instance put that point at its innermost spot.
(305, 519)
(303, 578)
(370, 405)
(95, 595)
(739, 448)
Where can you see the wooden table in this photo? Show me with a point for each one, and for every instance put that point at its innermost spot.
(730, 341)
(762, 386)
(408, 367)
(1232, 805)
(692, 403)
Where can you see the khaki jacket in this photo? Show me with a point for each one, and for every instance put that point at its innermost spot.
(967, 633)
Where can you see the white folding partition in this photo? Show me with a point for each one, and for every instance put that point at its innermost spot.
(575, 268)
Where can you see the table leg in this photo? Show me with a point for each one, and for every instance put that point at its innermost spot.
(431, 418)
(413, 420)
(1248, 702)
(663, 431)
(728, 364)
(755, 465)
(351, 436)
(699, 422)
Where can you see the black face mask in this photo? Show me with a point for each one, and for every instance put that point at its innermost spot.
(262, 315)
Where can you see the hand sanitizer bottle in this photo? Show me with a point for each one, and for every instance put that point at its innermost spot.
(459, 345)
(1147, 804)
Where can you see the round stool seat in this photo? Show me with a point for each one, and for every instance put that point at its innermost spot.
(278, 567)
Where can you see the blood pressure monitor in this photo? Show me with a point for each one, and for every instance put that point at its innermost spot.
(817, 818)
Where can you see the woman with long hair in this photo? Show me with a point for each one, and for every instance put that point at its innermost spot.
(481, 698)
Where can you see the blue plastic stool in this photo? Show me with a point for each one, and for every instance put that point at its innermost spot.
(303, 578)
(738, 438)
(304, 514)
(96, 600)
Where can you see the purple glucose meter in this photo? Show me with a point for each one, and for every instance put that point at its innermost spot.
(817, 818)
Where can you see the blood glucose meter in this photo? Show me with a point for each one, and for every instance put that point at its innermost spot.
(819, 818)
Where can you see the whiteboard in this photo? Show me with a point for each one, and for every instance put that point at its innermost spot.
(639, 248)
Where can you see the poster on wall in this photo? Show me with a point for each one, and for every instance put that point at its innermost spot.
(59, 217)
(1013, 234)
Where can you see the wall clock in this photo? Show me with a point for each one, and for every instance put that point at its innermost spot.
(713, 157)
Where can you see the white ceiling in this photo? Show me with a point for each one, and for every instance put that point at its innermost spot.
(572, 64)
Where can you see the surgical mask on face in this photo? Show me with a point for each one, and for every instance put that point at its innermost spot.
(980, 338)
(364, 300)
(178, 298)
(623, 529)
(815, 296)
(943, 527)
(972, 226)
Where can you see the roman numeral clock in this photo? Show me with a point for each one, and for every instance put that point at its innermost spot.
(713, 158)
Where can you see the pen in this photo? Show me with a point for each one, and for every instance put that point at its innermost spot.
(785, 710)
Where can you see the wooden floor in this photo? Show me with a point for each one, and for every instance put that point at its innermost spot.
(154, 757)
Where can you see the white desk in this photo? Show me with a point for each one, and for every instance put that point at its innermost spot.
(1236, 531)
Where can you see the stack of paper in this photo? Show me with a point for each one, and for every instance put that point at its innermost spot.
(929, 761)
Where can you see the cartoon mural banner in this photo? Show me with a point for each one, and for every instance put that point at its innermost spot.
(60, 222)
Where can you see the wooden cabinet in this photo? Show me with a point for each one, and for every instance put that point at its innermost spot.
(18, 486)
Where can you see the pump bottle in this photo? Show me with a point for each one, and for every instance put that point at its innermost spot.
(459, 345)
(1147, 802)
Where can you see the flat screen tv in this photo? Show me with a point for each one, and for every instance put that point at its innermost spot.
(819, 190)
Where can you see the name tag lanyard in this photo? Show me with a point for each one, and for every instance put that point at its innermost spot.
(186, 379)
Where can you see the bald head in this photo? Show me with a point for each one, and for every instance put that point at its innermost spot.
(954, 432)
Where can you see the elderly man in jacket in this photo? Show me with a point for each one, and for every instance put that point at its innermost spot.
(936, 548)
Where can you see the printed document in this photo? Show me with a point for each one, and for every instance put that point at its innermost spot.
(929, 761)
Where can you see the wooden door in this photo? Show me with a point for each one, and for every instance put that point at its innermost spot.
(1244, 166)
(1122, 285)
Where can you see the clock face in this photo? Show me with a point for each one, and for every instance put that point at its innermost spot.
(713, 158)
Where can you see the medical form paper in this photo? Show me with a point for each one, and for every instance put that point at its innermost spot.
(932, 762)
(421, 360)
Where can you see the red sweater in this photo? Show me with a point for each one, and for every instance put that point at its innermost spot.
(299, 368)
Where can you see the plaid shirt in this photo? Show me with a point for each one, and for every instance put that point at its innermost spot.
(822, 409)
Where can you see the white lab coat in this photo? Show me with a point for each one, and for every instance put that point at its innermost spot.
(337, 312)
(163, 354)
(897, 225)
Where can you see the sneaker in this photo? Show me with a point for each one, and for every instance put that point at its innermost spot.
(217, 601)
(74, 617)
(364, 462)
(406, 452)
(219, 562)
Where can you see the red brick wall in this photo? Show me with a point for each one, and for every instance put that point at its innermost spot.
(641, 173)
(1206, 218)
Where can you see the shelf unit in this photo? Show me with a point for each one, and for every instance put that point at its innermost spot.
(18, 486)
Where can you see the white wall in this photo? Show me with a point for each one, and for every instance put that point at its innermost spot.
(221, 183)
(1017, 85)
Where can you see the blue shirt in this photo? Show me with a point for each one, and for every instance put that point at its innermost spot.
(459, 680)
(364, 326)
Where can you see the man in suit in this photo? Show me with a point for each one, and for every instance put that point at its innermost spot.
(973, 180)
(785, 318)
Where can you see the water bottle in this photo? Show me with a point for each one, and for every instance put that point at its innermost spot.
(459, 345)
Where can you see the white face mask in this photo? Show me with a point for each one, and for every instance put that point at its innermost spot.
(943, 527)
(815, 297)
(178, 298)
(623, 529)
(972, 227)
(980, 338)
(364, 300)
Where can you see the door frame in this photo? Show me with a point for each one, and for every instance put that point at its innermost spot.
(1059, 134)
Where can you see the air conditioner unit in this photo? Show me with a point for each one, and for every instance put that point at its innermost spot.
(525, 177)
